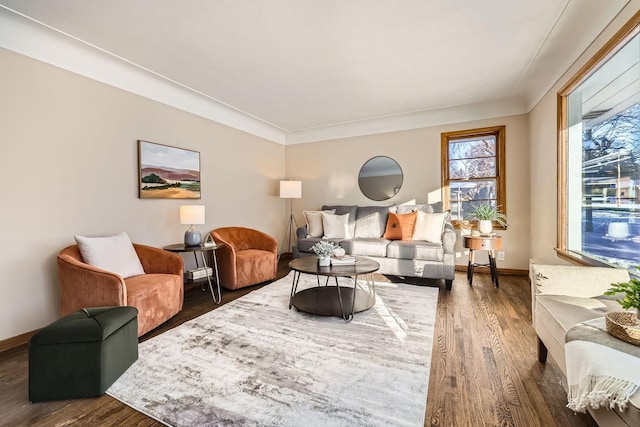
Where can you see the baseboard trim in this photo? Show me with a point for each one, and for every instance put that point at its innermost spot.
(17, 341)
(505, 271)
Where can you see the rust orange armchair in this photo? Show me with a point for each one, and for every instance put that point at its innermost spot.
(157, 294)
(246, 256)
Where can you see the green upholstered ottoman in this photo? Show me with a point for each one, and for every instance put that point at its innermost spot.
(83, 353)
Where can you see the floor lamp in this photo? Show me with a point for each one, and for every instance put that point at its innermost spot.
(290, 190)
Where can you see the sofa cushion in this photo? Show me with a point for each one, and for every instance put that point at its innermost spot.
(426, 208)
(400, 226)
(415, 250)
(561, 312)
(371, 221)
(429, 226)
(304, 245)
(352, 210)
(158, 296)
(336, 226)
(366, 247)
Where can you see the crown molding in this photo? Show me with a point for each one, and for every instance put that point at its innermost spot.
(28, 37)
(560, 54)
(34, 39)
(415, 120)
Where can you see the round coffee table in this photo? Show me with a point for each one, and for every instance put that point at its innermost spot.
(329, 300)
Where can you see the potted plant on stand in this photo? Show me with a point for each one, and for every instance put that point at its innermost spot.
(486, 213)
(324, 249)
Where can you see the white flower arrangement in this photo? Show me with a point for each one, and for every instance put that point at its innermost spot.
(323, 248)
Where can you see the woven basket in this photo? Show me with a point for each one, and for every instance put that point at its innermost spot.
(623, 325)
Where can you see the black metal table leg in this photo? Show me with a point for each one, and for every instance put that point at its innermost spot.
(294, 287)
(494, 270)
(472, 264)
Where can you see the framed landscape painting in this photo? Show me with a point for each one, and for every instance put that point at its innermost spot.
(167, 172)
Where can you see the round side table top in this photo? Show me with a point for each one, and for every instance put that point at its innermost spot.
(181, 247)
(483, 242)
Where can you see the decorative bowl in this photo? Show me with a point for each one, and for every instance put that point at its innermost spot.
(623, 325)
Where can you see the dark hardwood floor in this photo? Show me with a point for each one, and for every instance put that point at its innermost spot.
(484, 369)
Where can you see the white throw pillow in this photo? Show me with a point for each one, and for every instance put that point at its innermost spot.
(429, 226)
(335, 226)
(314, 222)
(112, 253)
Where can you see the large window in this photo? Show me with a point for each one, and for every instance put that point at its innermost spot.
(599, 156)
(473, 170)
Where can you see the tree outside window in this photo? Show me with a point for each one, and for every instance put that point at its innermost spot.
(473, 170)
(599, 157)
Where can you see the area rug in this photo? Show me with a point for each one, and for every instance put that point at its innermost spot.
(254, 362)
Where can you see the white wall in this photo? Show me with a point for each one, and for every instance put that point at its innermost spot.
(543, 152)
(68, 165)
(329, 174)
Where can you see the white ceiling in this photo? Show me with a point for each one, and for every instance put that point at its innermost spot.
(326, 67)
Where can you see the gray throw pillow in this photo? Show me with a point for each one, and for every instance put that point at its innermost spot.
(426, 208)
(371, 221)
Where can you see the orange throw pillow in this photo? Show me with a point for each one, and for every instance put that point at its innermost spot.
(400, 226)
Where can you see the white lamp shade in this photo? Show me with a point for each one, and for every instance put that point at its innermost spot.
(192, 214)
(290, 189)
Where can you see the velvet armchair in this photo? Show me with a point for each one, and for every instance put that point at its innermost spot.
(245, 257)
(157, 294)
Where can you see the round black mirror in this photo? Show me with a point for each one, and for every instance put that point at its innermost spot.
(380, 178)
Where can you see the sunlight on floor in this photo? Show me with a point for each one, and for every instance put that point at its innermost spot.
(395, 323)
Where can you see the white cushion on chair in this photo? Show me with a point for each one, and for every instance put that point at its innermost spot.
(112, 253)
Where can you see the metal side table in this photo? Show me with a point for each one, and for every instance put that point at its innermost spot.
(202, 250)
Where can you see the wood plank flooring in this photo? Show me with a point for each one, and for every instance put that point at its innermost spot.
(484, 369)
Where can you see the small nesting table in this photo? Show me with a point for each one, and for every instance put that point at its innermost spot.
(483, 243)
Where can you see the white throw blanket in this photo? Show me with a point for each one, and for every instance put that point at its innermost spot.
(599, 376)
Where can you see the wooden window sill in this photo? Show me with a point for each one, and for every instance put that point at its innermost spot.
(579, 259)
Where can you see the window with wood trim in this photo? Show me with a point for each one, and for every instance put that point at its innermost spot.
(599, 156)
(473, 170)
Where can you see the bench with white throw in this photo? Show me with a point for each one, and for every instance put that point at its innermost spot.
(568, 308)
(602, 371)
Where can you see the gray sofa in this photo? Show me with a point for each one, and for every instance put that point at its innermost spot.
(411, 258)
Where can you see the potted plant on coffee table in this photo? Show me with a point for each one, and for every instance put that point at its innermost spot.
(486, 213)
(324, 249)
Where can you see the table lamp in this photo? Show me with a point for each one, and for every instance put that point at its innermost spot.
(192, 214)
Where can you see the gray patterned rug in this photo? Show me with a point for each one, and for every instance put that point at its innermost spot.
(254, 362)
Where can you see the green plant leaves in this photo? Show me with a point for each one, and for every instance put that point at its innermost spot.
(631, 289)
